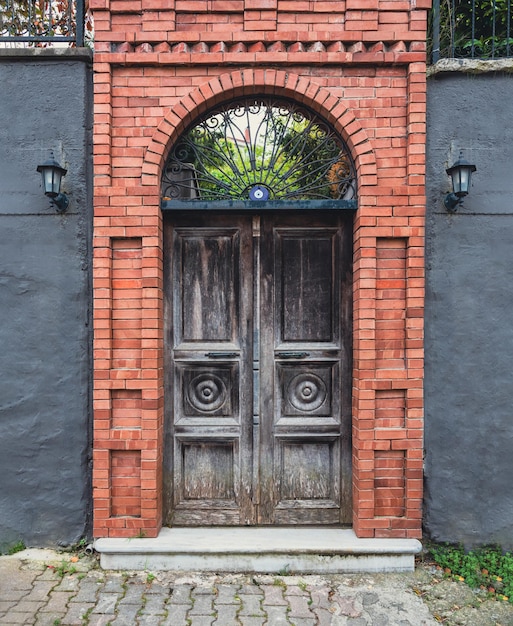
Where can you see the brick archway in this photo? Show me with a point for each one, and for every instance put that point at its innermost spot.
(387, 147)
(232, 85)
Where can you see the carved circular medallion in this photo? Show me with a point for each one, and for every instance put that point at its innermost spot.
(306, 392)
(207, 392)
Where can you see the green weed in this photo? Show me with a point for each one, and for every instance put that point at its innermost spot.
(486, 568)
(64, 568)
(17, 547)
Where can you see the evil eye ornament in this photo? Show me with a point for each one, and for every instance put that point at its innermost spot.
(258, 192)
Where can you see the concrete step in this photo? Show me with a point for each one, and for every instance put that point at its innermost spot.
(260, 550)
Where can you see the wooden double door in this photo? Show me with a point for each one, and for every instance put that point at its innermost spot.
(258, 369)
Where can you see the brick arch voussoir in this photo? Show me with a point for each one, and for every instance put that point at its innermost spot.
(232, 85)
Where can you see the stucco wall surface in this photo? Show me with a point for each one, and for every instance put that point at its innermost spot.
(44, 302)
(469, 300)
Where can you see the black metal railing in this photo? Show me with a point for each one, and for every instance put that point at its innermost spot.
(470, 29)
(42, 22)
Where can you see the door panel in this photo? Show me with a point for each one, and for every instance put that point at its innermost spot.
(209, 282)
(306, 334)
(258, 343)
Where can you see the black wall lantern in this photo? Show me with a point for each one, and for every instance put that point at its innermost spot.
(461, 175)
(51, 175)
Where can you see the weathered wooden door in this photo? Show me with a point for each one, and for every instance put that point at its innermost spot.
(258, 345)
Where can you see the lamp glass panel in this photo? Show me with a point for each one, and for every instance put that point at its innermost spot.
(461, 180)
(51, 181)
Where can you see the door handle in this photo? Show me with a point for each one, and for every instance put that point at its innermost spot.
(292, 355)
(222, 355)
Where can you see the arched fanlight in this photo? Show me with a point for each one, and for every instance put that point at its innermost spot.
(259, 149)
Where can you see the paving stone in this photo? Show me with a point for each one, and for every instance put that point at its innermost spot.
(250, 604)
(249, 620)
(40, 590)
(154, 605)
(48, 619)
(202, 620)
(87, 591)
(320, 598)
(48, 573)
(67, 583)
(226, 614)
(303, 621)
(5, 606)
(202, 604)
(58, 601)
(204, 590)
(133, 594)
(251, 590)
(149, 620)
(346, 605)
(325, 617)
(15, 581)
(181, 594)
(18, 618)
(299, 607)
(26, 606)
(273, 595)
(76, 612)
(276, 616)
(176, 615)
(233, 600)
(106, 603)
(156, 588)
(99, 620)
(114, 584)
(126, 615)
(226, 594)
(294, 590)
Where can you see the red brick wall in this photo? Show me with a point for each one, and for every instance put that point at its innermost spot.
(158, 65)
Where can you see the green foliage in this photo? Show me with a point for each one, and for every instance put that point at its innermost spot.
(474, 29)
(17, 547)
(64, 568)
(486, 568)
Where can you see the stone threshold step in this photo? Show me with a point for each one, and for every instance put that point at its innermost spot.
(259, 550)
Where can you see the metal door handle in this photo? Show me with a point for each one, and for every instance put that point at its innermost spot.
(292, 355)
(222, 355)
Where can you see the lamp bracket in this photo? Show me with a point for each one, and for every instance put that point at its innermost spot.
(451, 202)
(60, 202)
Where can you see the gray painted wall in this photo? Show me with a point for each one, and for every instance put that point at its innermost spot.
(45, 103)
(469, 314)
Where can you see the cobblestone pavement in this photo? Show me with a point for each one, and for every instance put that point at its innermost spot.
(43, 588)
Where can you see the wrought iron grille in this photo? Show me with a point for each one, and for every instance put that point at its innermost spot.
(472, 29)
(42, 22)
(258, 149)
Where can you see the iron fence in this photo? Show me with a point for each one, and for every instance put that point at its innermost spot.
(42, 22)
(470, 29)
